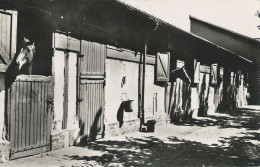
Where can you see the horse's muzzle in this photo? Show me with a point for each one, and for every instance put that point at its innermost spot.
(20, 63)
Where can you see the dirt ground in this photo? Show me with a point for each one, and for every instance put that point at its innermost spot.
(230, 139)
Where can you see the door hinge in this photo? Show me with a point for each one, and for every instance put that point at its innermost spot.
(80, 99)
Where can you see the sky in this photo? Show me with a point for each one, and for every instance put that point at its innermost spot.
(236, 15)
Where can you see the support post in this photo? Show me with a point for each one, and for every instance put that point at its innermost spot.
(2, 106)
(64, 45)
(143, 82)
(58, 75)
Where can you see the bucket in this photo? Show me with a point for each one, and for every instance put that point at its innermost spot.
(151, 125)
(128, 105)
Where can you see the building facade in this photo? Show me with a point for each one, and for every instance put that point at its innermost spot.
(98, 74)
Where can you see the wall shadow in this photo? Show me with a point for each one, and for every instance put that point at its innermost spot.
(94, 130)
(120, 114)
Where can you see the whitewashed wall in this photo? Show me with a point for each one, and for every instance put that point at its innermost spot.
(72, 90)
(2, 106)
(154, 108)
(59, 65)
(115, 93)
(2, 114)
(58, 61)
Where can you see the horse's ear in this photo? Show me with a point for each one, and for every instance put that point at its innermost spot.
(32, 46)
(26, 39)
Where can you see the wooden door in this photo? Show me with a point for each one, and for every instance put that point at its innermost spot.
(29, 108)
(91, 89)
(8, 31)
(218, 99)
(204, 90)
(8, 37)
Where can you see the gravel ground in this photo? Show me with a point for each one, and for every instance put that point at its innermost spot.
(231, 139)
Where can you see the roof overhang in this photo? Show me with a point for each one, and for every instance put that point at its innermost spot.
(245, 48)
(125, 26)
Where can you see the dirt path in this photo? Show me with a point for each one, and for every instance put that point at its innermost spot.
(218, 140)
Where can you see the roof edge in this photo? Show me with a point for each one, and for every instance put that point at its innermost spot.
(172, 26)
(224, 29)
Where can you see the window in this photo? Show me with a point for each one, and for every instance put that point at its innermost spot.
(162, 66)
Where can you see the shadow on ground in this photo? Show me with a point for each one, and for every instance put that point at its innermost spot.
(238, 118)
(152, 151)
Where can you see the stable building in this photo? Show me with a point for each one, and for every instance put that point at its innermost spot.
(246, 48)
(97, 74)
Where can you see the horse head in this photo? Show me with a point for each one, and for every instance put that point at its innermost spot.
(182, 74)
(26, 55)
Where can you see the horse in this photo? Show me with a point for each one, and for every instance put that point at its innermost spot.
(180, 92)
(26, 55)
(182, 74)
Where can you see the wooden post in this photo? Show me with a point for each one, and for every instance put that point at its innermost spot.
(64, 45)
(140, 89)
(2, 106)
(72, 90)
(58, 75)
(143, 82)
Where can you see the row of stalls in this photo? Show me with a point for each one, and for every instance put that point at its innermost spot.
(104, 68)
(244, 47)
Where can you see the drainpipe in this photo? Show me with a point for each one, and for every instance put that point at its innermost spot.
(144, 66)
(143, 80)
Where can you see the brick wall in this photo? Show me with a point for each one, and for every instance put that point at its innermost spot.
(62, 139)
(113, 129)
